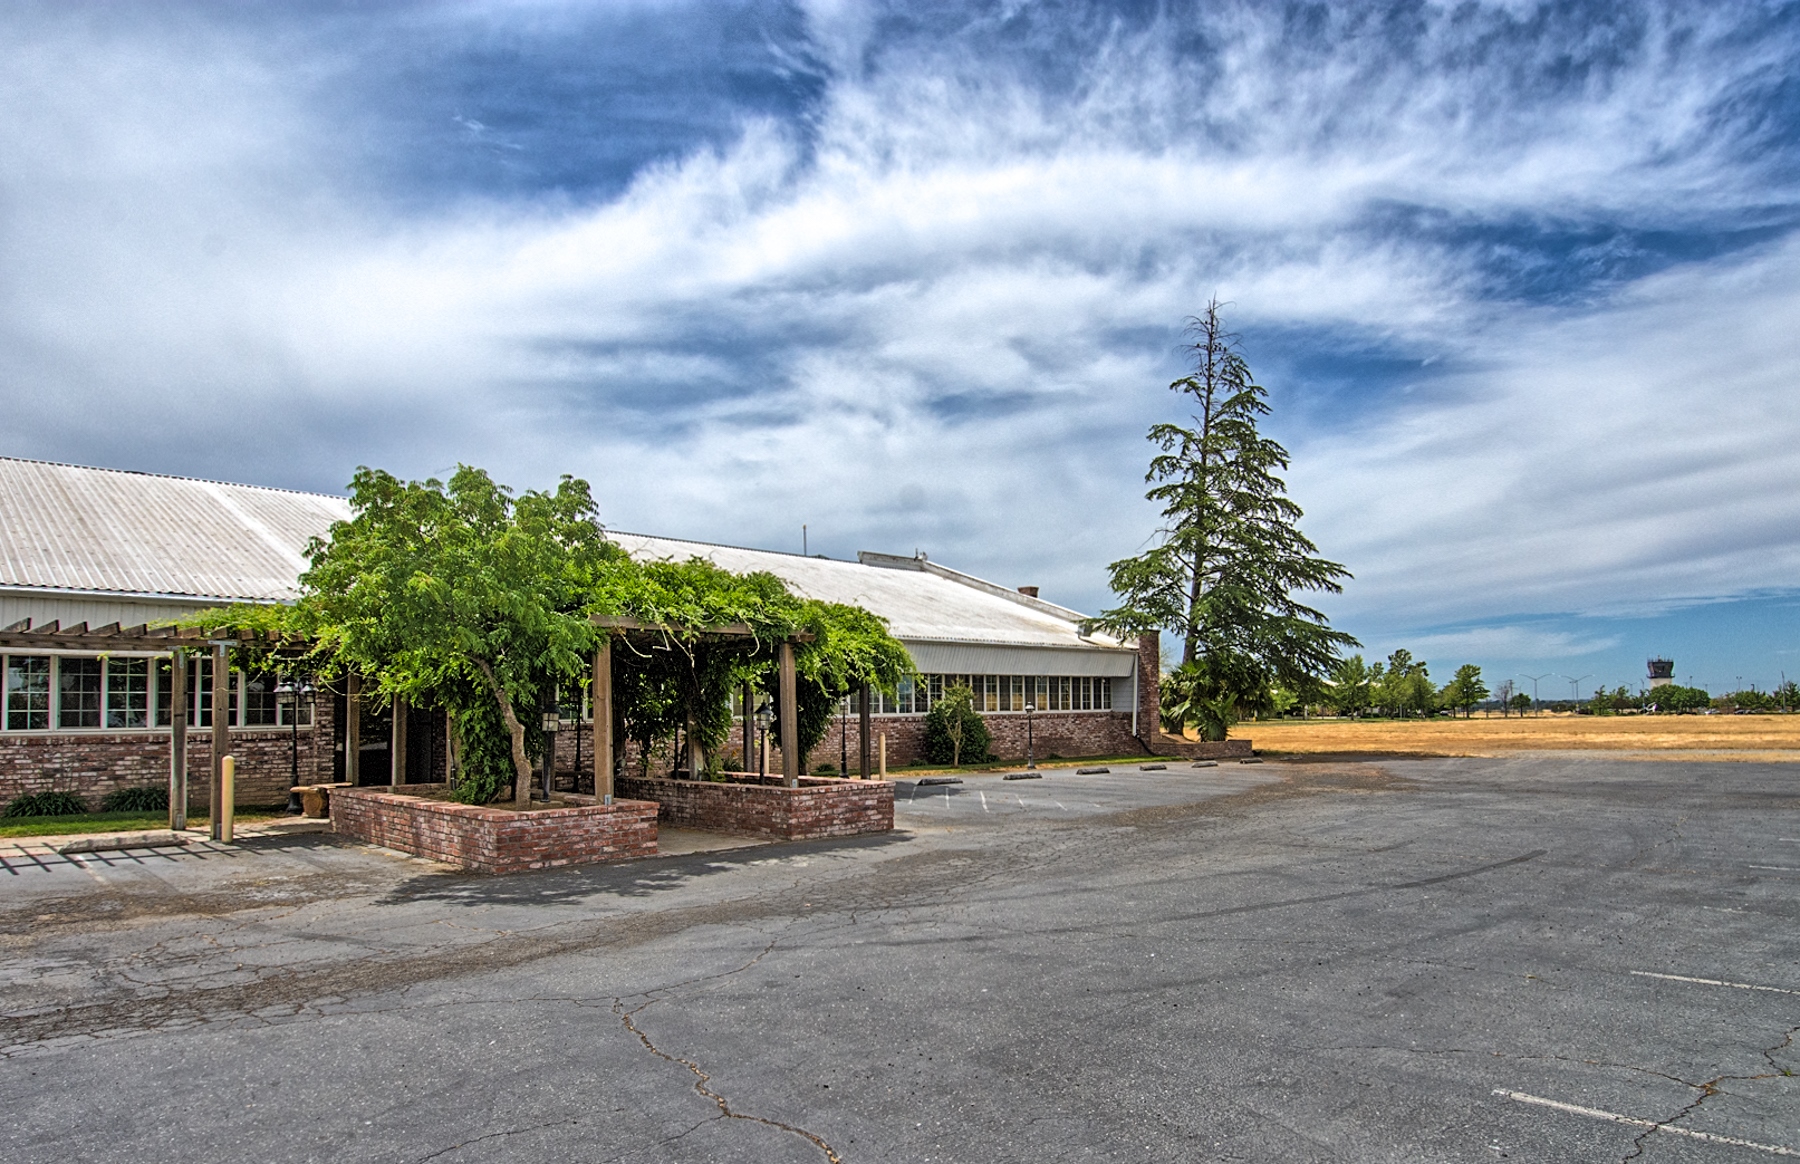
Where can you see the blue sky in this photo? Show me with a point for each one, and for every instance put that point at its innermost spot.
(1523, 280)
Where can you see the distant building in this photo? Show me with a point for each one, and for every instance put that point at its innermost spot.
(1662, 672)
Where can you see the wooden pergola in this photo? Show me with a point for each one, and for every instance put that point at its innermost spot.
(787, 694)
(176, 642)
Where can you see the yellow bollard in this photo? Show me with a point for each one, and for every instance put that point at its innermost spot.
(227, 797)
(884, 755)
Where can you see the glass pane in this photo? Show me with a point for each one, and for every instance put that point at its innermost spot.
(904, 700)
(1106, 694)
(78, 693)
(164, 695)
(27, 692)
(128, 693)
(260, 701)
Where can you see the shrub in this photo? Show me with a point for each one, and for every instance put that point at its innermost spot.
(954, 730)
(136, 800)
(825, 770)
(45, 804)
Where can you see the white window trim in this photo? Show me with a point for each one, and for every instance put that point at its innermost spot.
(154, 702)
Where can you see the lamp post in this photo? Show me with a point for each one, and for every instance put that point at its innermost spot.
(1574, 688)
(291, 693)
(1030, 759)
(1534, 688)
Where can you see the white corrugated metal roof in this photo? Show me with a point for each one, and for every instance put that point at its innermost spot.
(72, 528)
(922, 604)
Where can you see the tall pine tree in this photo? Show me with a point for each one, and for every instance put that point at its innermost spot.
(1230, 555)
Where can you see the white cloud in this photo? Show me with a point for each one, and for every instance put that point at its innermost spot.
(945, 318)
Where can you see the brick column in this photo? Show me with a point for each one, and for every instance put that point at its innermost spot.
(1149, 686)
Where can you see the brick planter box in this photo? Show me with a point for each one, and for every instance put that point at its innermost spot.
(494, 840)
(820, 807)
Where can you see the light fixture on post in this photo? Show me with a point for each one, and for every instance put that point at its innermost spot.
(287, 695)
(552, 722)
(1030, 759)
(763, 720)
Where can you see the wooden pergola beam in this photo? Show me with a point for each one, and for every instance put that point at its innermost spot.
(53, 635)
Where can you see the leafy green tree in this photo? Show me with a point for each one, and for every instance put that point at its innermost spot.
(1464, 690)
(1675, 697)
(1230, 555)
(1521, 703)
(1352, 686)
(953, 727)
(1404, 686)
(1786, 696)
(464, 595)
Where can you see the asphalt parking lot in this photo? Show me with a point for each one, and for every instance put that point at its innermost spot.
(1533, 959)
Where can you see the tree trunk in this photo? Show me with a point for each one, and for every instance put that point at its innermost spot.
(521, 765)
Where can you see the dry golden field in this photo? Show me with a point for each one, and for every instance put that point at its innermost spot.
(1653, 737)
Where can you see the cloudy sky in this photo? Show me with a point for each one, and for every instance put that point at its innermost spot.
(1523, 280)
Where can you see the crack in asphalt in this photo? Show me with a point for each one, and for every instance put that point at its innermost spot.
(1708, 1089)
(500, 1135)
(702, 1079)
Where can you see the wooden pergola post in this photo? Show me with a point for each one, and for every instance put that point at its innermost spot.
(790, 718)
(221, 736)
(603, 722)
(397, 743)
(862, 728)
(179, 706)
(353, 729)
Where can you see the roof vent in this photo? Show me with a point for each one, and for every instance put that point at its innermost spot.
(1028, 591)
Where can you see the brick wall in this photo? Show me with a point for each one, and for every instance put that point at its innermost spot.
(92, 764)
(820, 807)
(494, 840)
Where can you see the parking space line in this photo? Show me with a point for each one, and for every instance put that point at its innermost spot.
(1595, 1113)
(983, 795)
(1776, 868)
(83, 866)
(1713, 982)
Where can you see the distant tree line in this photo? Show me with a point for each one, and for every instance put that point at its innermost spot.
(1402, 688)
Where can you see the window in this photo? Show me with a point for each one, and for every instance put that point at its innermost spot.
(78, 693)
(27, 692)
(162, 676)
(202, 688)
(572, 703)
(260, 706)
(127, 693)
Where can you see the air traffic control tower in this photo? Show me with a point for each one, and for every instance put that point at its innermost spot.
(1662, 672)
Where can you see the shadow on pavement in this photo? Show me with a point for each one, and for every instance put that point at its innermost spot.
(642, 878)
